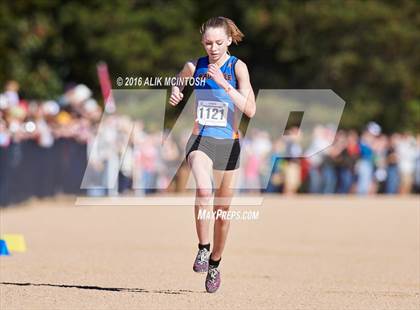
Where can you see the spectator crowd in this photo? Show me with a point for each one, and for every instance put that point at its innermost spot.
(45, 146)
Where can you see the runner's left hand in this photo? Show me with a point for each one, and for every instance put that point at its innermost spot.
(215, 73)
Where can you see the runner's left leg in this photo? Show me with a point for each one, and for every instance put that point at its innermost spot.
(224, 183)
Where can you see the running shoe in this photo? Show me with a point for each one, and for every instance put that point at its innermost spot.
(212, 279)
(201, 263)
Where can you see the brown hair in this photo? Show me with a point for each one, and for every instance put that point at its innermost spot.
(230, 27)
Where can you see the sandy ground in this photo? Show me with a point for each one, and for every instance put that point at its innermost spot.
(302, 253)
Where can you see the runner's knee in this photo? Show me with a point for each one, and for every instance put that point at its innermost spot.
(204, 193)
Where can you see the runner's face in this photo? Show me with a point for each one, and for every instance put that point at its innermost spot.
(216, 42)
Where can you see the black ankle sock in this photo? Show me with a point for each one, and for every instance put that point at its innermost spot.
(214, 263)
(204, 246)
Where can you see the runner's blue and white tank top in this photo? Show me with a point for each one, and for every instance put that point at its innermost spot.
(215, 110)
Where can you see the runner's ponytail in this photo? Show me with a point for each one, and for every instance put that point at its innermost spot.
(230, 27)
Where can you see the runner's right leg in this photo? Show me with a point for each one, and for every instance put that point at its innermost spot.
(202, 168)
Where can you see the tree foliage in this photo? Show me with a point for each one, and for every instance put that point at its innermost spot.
(366, 51)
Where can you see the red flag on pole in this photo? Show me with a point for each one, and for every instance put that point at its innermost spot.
(106, 88)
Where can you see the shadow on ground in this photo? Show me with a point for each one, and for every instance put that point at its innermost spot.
(99, 288)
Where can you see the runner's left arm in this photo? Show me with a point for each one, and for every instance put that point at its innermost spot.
(243, 97)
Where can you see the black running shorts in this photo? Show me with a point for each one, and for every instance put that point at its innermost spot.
(223, 152)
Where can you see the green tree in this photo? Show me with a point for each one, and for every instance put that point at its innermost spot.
(366, 51)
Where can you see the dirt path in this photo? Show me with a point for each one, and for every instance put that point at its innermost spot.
(302, 253)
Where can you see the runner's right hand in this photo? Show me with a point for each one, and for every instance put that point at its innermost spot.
(176, 96)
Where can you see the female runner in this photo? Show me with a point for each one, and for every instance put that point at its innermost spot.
(213, 148)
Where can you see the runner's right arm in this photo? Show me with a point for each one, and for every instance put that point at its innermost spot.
(186, 72)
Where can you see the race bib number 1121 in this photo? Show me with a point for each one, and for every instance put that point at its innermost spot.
(212, 113)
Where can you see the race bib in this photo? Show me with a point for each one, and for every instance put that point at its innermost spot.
(212, 113)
